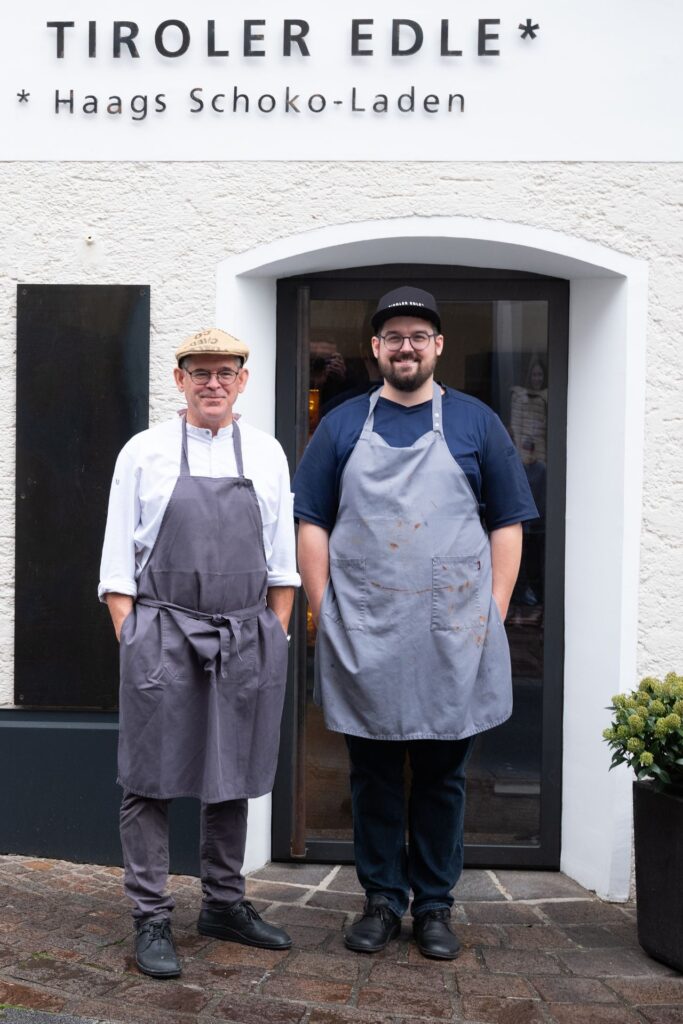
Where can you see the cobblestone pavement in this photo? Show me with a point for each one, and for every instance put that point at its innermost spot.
(536, 948)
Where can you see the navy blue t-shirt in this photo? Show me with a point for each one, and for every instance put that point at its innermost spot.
(475, 436)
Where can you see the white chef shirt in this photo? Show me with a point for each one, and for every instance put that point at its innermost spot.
(144, 477)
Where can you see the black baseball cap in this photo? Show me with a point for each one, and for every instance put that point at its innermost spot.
(406, 301)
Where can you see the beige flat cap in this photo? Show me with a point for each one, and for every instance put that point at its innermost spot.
(212, 342)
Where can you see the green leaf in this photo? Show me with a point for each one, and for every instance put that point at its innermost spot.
(661, 774)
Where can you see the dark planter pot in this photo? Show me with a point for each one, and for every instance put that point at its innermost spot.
(658, 829)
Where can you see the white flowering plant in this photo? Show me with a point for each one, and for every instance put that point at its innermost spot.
(647, 730)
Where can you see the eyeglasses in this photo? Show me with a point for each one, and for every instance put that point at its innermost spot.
(418, 341)
(223, 376)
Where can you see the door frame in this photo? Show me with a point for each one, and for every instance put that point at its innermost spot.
(448, 283)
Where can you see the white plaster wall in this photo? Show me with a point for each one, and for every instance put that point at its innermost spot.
(169, 225)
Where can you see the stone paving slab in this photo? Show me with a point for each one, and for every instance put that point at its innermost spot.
(537, 949)
(33, 1017)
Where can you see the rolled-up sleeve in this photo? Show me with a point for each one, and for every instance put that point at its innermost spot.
(278, 534)
(117, 569)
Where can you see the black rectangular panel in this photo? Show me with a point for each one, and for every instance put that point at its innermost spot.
(82, 391)
(69, 808)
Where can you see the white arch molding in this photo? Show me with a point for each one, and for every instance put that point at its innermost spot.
(605, 416)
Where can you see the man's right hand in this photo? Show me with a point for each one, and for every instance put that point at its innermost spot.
(120, 606)
(314, 564)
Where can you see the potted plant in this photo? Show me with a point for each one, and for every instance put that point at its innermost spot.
(647, 734)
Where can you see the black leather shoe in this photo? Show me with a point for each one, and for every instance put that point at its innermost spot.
(241, 923)
(377, 927)
(155, 952)
(433, 935)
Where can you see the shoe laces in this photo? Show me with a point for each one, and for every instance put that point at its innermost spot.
(248, 910)
(382, 910)
(156, 930)
(438, 914)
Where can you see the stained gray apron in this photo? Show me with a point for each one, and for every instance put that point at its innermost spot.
(203, 659)
(410, 642)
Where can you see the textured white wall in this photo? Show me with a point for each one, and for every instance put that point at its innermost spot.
(169, 225)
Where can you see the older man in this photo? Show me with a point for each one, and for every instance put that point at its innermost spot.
(409, 589)
(198, 571)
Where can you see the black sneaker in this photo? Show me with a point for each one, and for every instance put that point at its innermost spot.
(433, 935)
(240, 922)
(375, 929)
(155, 952)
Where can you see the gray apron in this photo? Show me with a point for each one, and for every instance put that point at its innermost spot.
(203, 659)
(410, 641)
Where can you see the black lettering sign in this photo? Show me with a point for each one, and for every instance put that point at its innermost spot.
(357, 36)
(92, 38)
(445, 52)
(353, 100)
(294, 33)
(212, 51)
(197, 99)
(409, 96)
(290, 102)
(250, 37)
(460, 99)
(60, 26)
(138, 106)
(125, 40)
(484, 36)
(60, 102)
(184, 38)
(236, 97)
(418, 37)
(214, 102)
(266, 103)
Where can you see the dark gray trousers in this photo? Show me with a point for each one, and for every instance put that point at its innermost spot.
(144, 841)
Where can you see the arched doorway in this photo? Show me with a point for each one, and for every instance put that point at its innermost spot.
(605, 408)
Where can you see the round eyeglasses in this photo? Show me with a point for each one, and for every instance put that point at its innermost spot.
(418, 341)
(223, 376)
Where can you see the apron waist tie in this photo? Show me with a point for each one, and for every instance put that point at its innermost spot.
(227, 624)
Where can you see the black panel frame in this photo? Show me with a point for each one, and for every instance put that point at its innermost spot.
(447, 283)
(82, 392)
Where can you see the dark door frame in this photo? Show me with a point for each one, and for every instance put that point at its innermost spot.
(447, 283)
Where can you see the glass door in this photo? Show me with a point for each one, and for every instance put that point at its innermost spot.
(506, 343)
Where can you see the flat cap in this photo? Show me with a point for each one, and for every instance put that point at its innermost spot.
(212, 341)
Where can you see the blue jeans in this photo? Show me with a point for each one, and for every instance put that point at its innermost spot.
(432, 863)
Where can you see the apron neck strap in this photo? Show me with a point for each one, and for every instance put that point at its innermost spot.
(370, 419)
(184, 461)
(437, 416)
(236, 443)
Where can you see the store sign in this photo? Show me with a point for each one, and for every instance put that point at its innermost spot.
(293, 79)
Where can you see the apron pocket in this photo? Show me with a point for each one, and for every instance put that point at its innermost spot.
(174, 646)
(346, 596)
(455, 593)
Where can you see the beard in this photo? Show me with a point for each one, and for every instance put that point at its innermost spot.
(418, 368)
